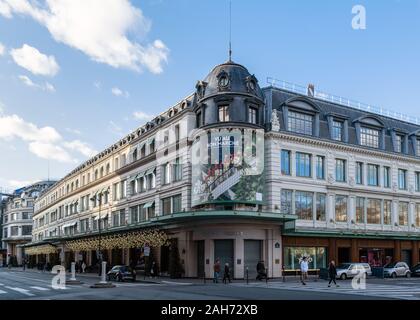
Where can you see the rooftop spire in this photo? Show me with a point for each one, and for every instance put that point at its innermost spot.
(230, 31)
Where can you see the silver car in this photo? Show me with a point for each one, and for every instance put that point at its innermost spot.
(397, 269)
(350, 270)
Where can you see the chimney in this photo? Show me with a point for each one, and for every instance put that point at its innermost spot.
(311, 90)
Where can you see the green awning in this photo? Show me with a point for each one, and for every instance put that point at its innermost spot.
(148, 205)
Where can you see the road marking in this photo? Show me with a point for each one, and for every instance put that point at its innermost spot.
(177, 283)
(20, 290)
(40, 288)
(2, 292)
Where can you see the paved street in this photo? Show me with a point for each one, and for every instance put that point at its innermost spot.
(34, 285)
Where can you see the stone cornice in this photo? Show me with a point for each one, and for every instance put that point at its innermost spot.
(317, 142)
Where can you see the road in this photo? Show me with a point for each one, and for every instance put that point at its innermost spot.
(30, 285)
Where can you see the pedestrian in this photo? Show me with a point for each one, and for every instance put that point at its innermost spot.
(45, 267)
(83, 267)
(153, 270)
(261, 272)
(216, 269)
(304, 270)
(24, 264)
(332, 272)
(226, 274)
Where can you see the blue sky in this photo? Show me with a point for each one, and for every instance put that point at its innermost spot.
(56, 92)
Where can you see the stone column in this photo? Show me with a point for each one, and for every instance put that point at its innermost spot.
(19, 253)
(209, 257)
(397, 250)
(354, 250)
(238, 255)
(415, 252)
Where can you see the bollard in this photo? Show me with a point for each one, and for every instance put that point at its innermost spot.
(103, 275)
(247, 276)
(73, 271)
(266, 275)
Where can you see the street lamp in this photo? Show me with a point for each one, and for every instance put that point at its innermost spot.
(99, 229)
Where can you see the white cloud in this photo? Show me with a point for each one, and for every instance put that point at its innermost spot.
(139, 115)
(98, 28)
(34, 61)
(45, 142)
(115, 129)
(120, 93)
(2, 49)
(74, 131)
(45, 87)
(97, 84)
(82, 147)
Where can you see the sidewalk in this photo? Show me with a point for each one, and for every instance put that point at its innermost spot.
(182, 281)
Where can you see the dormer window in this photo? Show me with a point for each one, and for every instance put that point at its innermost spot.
(369, 137)
(224, 114)
(418, 147)
(300, 123)
(337, 130)
(399, 143)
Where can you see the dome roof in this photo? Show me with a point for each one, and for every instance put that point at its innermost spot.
(229, 77)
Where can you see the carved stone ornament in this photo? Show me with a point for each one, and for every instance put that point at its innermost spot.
(331, 179)
(275, 123)
(352, 181)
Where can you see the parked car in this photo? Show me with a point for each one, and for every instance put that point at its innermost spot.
(350, 270)
(397, 269)
(415, 271)
(121, 273)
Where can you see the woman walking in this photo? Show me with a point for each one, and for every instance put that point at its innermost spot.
(332, 271)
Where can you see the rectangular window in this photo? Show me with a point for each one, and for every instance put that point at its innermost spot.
(198, 119)
(122, 217)
(417, 181)
(387, 177)
(223, 113)
(166, 206)
(340, 170)
(320, 167)
(399, 143)
(402, 179)
(320, 206)
(360, 210)
(26, 230)
(134, 214)
(337, 130)
(253, 115)
(418, 147)
(417, 215)
(286, 201)
(387, 211)
(177, 170)
(373, 175)
(116, 219)
(303, 165)
(166, 170)
(176, 202)
(14, 231)
(369, 137)
(304, 205)
(359, 173)
(285, 162)
(374, 211)
(341, 208)
(300, 123)
(403, 213)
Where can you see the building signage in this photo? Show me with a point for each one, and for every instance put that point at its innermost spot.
(228, 166)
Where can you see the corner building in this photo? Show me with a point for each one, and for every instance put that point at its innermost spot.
(244, 174)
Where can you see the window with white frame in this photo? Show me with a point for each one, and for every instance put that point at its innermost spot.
(337, 130)
(369, 137)
(300, 123)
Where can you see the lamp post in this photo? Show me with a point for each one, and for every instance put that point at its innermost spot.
(99, 197)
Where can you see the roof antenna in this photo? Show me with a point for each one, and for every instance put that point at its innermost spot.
(230, 31)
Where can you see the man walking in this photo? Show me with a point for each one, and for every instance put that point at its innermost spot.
(216, 269)
(332, 271)
(304, 270)
(226, 275)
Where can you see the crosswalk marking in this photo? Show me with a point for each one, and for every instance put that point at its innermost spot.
(385, 291)
(40, 288)
(20, 290)
(2, 292)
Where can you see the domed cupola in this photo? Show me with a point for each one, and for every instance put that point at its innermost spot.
(229, 94)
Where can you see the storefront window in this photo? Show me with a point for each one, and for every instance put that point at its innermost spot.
(374, 211)
(317, 257)
(417, 217)
(304, 205)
